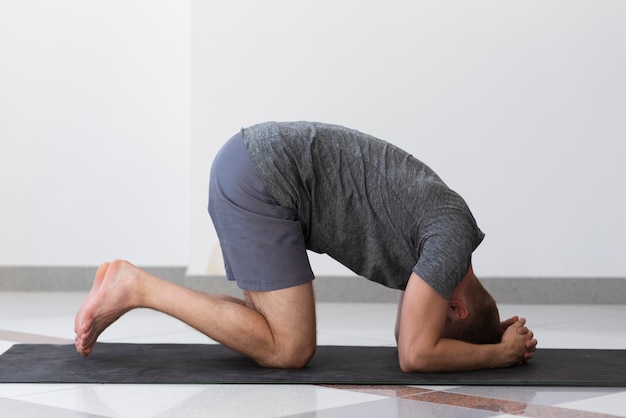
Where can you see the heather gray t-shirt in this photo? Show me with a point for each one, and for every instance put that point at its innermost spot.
(366, 203)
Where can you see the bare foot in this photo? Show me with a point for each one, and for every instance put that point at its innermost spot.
(114, 293)
(94, 288)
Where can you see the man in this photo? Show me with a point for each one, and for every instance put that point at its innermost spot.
(278, 189)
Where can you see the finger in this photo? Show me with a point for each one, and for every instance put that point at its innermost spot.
(517, 324)
(507, 323)
(525, 331)
(531, 344)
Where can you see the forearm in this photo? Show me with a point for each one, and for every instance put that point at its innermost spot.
(453, 355)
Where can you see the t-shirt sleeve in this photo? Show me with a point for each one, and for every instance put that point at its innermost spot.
(445, 250)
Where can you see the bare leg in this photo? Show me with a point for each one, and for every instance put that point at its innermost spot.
(276, 329)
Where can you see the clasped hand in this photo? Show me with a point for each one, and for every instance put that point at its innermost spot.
(517, 340)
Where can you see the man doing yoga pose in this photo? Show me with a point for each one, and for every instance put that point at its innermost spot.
(280, 189)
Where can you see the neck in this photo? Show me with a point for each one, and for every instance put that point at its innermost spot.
(460, 290)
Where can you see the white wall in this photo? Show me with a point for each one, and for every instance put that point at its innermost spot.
(518, 105)
(94, 131)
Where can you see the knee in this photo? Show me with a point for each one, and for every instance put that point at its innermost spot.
(297, 359)
(300, 358)
(294, 357)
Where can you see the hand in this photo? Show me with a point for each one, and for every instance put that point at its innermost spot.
(517, 341)
(505, 324)
(530, 344)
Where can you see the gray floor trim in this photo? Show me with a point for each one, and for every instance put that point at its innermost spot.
(333, 289)
(557, 290)
(28, 278)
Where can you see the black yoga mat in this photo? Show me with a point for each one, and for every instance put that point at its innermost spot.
(203, 363)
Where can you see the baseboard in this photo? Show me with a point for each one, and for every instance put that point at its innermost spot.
(334, 288)
(557, 290)
(59, 278)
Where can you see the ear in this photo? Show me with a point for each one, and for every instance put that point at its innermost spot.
(457, 310)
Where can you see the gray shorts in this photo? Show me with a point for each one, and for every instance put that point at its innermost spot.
(262, 242)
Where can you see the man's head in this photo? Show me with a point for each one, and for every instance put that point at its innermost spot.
(472, 313)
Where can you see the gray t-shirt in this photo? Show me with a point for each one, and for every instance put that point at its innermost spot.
(366, 203)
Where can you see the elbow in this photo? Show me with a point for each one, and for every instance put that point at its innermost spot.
(405, 365)
(413, 365)
(414, 362)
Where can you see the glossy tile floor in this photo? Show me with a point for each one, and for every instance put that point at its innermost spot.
(48, 317)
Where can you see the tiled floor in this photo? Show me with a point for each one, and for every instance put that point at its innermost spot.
(48, 317)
